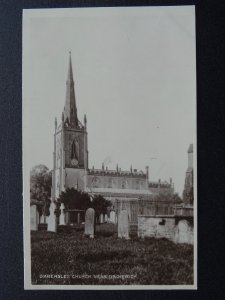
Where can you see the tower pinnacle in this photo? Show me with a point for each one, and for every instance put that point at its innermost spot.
(70, 109)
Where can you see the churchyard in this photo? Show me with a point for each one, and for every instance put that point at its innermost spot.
(80, 240)
(73, 258)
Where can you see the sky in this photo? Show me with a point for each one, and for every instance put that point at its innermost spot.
(135, 79)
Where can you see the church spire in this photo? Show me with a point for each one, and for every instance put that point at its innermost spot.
(70, 109)
(70, 69)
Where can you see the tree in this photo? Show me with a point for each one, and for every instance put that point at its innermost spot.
(40, 188)
(74, 199)
(100, 205)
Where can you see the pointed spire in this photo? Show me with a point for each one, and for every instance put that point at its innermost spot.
(147, 172)
(85, 121)
(55, 124)
(70, 69)
(70, 109)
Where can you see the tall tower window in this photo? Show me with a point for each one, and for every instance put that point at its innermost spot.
(74, 153)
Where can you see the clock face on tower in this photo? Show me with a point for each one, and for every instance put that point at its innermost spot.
(74, 162)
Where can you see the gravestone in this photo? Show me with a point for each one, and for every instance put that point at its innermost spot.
(101, 218)
(123, 225)
(67, 218)
(184, 232)
(112, 217)
(62, 215)
(78, 218)
(34, 216)
(52, 220)
(42, 219)
(90, 223)
(106, 218)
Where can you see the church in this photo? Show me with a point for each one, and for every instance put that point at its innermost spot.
(71, 166)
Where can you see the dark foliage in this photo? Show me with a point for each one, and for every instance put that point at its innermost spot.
(74, 199)
(40, 188)
(100, 205)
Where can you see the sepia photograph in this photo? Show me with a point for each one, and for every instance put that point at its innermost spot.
(109, 148)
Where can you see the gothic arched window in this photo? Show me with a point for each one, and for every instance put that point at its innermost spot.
(95, 182)
(74, 154)
(124, 184)
(137, 184)
(74, 150)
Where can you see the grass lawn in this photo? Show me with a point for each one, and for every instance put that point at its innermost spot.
(76, 259)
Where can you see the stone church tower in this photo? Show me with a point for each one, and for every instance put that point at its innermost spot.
(188, 193)
(70, 156)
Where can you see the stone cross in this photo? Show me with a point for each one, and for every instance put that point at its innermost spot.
(34, 216)
(123, 225)
(90, 222)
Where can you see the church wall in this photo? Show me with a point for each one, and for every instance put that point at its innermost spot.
(74, 177)
(157, 190)
(158, 227)
(116, 182)
(165, 227)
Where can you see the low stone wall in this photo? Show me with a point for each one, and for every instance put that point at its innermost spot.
(165, 227)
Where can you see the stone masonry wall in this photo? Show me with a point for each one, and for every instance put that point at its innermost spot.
(165, 227)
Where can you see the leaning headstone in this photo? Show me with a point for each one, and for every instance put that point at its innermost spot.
(34, 217)
(52, 220)
(123, 225)
(90, 223)
(42, 219)
(62, 215)
(112, 217)
(78, 218)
